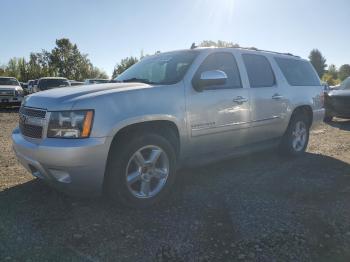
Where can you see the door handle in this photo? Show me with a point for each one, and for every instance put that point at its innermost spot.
(277, 96)
(240, 100)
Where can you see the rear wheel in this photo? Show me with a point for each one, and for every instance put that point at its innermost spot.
(141, 170)
(296, 138)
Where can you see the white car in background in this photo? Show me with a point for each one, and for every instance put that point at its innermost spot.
(11, 92)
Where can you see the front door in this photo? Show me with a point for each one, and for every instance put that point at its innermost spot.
(218, 115)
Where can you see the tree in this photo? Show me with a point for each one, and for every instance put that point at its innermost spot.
(318, 61)
(64, 60)
(332, 70)
(344, 72)
(331, 81)
(124, 64)
(331, 76)
(219, 43)
(67, 60)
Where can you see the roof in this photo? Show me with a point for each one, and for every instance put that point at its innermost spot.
(53, 77)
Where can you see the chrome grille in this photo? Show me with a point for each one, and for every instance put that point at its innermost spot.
(7, 93)
(33, 112)
(31, 122)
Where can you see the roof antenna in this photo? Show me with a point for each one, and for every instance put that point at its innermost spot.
(193, 46)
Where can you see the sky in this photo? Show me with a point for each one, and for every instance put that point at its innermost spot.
(109, 30)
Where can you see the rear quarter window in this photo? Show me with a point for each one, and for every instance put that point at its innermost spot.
(298, 72)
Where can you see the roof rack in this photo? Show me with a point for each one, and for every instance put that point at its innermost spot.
(193, 46)
(267, 51)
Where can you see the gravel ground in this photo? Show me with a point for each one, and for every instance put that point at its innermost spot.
(258, 208)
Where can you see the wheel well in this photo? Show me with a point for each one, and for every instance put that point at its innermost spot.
(164, 128)
(306, 110)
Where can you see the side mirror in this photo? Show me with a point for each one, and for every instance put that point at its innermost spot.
(210, 78)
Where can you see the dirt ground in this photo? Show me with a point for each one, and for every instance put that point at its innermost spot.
(258, 208)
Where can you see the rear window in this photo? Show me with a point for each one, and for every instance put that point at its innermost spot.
(298, 72)
(52, 83)
(259, 70)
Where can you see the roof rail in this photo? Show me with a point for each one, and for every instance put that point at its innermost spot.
(253, 49)
(267, 51)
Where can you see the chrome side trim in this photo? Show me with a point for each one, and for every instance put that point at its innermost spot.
(234, 124)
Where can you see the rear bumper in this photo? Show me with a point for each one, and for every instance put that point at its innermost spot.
(75, 167)
(318, 116)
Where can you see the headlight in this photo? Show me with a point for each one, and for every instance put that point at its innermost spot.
(18, 92)
(70, 124)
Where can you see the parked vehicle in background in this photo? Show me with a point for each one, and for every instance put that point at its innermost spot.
(75, 83)
(169, 110)
(337, 102)
(35, 85)
(30, 86)
(96, 81)
(46, 83)
(25, 88)
(11, 92)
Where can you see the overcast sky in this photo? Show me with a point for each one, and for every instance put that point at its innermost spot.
(109, 30)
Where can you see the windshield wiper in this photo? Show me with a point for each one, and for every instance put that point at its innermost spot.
(137, 80)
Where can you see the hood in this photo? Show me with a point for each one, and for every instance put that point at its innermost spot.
(65, 98)
(339, 92)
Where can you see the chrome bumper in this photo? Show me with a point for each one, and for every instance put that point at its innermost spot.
(74, 166)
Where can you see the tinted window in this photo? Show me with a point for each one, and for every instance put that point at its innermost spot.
(224, 62)
(259, 70)
(298, 72)
(52, 83)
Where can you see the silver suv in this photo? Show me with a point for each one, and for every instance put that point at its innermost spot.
(170, 110)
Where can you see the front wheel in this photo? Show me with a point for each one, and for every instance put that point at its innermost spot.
(141, 171)
(296, 138)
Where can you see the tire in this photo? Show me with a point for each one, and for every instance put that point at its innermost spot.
(149, 182)
(296, 137)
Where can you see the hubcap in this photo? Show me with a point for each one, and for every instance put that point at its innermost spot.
(299, 136)
(147, 171)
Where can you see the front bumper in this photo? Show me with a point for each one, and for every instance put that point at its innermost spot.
(338, 106)
(74, 166)
(10, 101)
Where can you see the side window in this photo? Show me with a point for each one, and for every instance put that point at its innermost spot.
(298, 72)
(259, 71)
(224, 62)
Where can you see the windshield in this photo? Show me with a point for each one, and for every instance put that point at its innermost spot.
(8, 81)
(52, 83)
(167, 68)
(346, 84)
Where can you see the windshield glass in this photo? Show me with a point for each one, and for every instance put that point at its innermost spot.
(167, 68)
(346, 84)
(52, 83)
(8, 81)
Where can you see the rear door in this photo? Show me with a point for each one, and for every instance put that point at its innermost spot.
(218, 115)
(268, 101)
